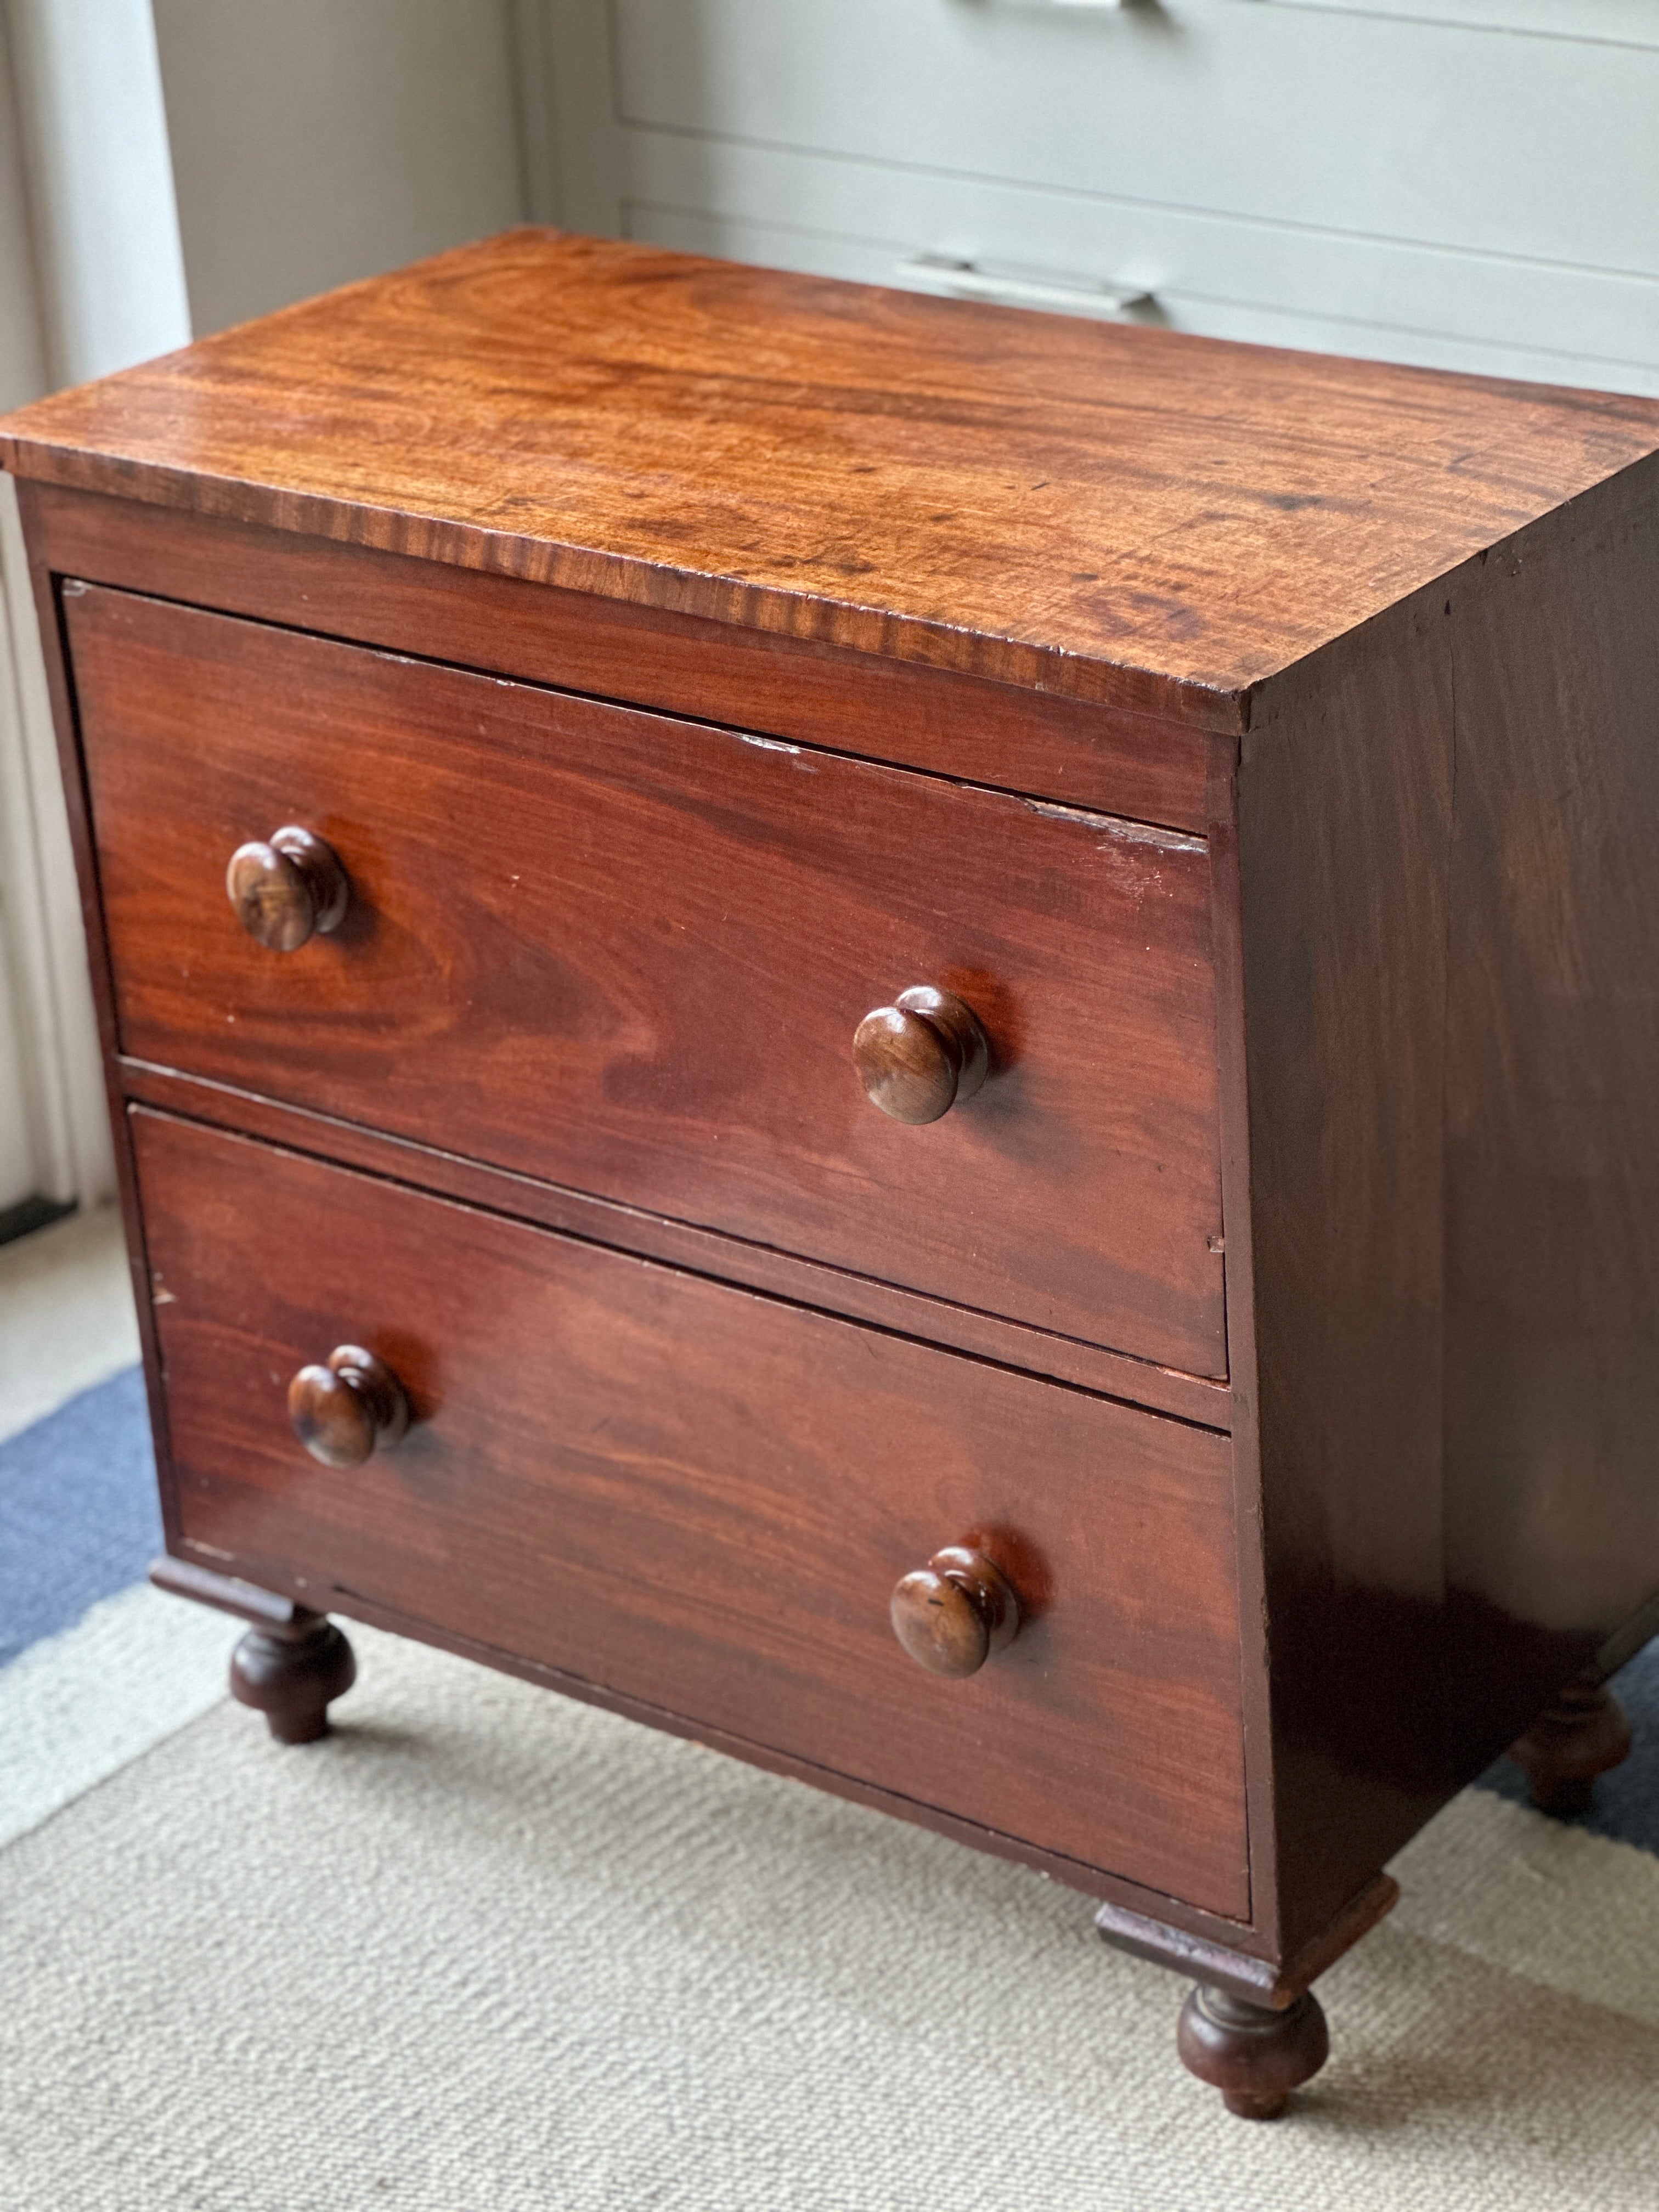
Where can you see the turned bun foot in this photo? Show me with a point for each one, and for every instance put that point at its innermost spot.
(1578, 1736)
(1253, 2056)
(291, 1671)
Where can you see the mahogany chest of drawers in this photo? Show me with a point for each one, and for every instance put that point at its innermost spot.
(932, 1049)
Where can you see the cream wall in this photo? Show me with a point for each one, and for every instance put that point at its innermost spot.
(318, 140)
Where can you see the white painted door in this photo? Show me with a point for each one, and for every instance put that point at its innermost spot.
(1465, 183)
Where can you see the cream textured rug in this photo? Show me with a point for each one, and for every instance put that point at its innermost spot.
(486, 1950)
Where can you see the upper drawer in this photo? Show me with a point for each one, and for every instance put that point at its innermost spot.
(628, 954)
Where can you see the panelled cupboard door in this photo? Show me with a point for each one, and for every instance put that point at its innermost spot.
(630, 955)
(1222, 275)
(1443, 190)
(1445, 133)
(704, 1500)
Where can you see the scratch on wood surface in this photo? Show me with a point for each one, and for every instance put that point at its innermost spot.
(766, 744)
(1128, 833)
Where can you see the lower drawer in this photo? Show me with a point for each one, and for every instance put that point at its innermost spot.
(702, 1498)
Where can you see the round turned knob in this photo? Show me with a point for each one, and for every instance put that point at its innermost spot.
(342, 1410)
(288, 890)
(919, 1056)
(951, 1614)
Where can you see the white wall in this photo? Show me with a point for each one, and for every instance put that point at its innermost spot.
(22, 331)
(318, 140)
(101, 206)
(22, 373)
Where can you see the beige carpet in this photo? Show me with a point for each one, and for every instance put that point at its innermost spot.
(66, 1315)
(487, 1950)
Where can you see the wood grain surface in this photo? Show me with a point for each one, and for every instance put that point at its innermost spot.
(1206, 1401)
(704, 1498)
(1451, 942)
(1552, 1389)
(1344, 828)
(1083, 754)
(630, 956)
(599, 961)
(1112, 513)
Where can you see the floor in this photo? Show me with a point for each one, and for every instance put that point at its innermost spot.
(99, 1667)
(66, 1315)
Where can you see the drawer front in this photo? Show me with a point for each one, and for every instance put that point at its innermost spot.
(628, 954)
(704, 1498)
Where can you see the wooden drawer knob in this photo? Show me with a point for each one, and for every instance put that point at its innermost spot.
(342, 1410)
(951, 1614)
(919, 1056)
(287, 890)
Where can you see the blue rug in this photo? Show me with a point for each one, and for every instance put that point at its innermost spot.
(1625, 1805)
(79, 1521)
(78, 1515)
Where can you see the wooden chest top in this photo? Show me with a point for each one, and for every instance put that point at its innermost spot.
(1111, 513)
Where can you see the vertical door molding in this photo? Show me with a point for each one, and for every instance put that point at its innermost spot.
(91, 278)
(61, 1152)
(87, 89)
(581, 37)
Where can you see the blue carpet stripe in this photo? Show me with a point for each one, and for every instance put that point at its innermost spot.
(78, 1515)
(1625, 1806)
(79, 1521)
